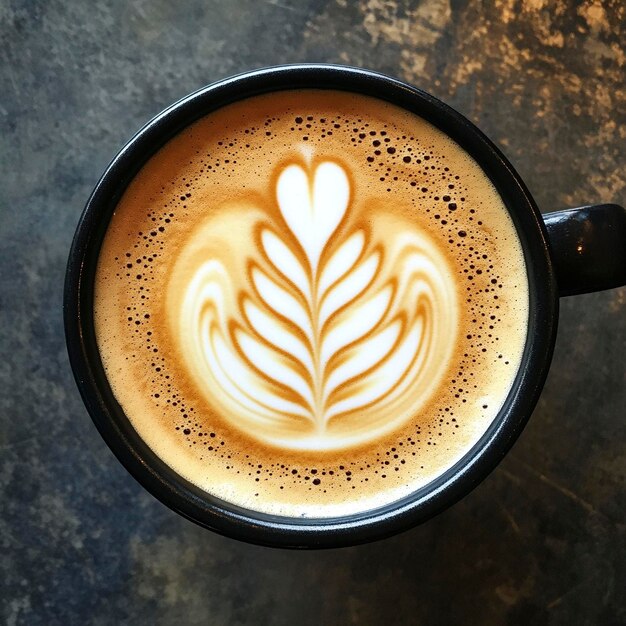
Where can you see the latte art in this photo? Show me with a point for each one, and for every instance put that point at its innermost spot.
(329, 342)
(311, 303)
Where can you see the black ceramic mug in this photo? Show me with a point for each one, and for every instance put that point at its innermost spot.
(566, 252)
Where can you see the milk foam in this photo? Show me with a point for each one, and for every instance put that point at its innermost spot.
(323, 342)
(311, 303)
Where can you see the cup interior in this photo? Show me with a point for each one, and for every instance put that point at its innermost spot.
(234, 521)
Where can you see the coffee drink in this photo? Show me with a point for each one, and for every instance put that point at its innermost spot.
(311, 303)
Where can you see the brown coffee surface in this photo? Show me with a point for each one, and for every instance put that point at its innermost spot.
(311, 303)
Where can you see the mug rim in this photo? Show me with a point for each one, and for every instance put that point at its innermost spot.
(246, 524)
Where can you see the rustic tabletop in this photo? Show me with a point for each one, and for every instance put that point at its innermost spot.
(541, 541)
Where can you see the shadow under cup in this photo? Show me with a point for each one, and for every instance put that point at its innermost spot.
(223, 517)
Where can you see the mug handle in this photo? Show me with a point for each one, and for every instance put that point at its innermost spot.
(588, 248)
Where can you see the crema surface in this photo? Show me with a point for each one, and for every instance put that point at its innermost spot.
(311, 303)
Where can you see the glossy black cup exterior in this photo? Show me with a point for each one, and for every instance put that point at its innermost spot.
(543, 271)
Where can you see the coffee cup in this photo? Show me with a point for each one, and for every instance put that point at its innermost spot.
(313, 306)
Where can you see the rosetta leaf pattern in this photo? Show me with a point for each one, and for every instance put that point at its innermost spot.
(331, 325)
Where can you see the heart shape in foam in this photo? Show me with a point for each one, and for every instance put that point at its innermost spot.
(313, 214)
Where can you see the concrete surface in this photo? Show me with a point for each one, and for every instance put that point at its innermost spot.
(541, 541)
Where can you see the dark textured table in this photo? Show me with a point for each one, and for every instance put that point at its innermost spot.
(541, 541)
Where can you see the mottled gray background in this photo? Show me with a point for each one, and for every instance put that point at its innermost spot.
(541, 541)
